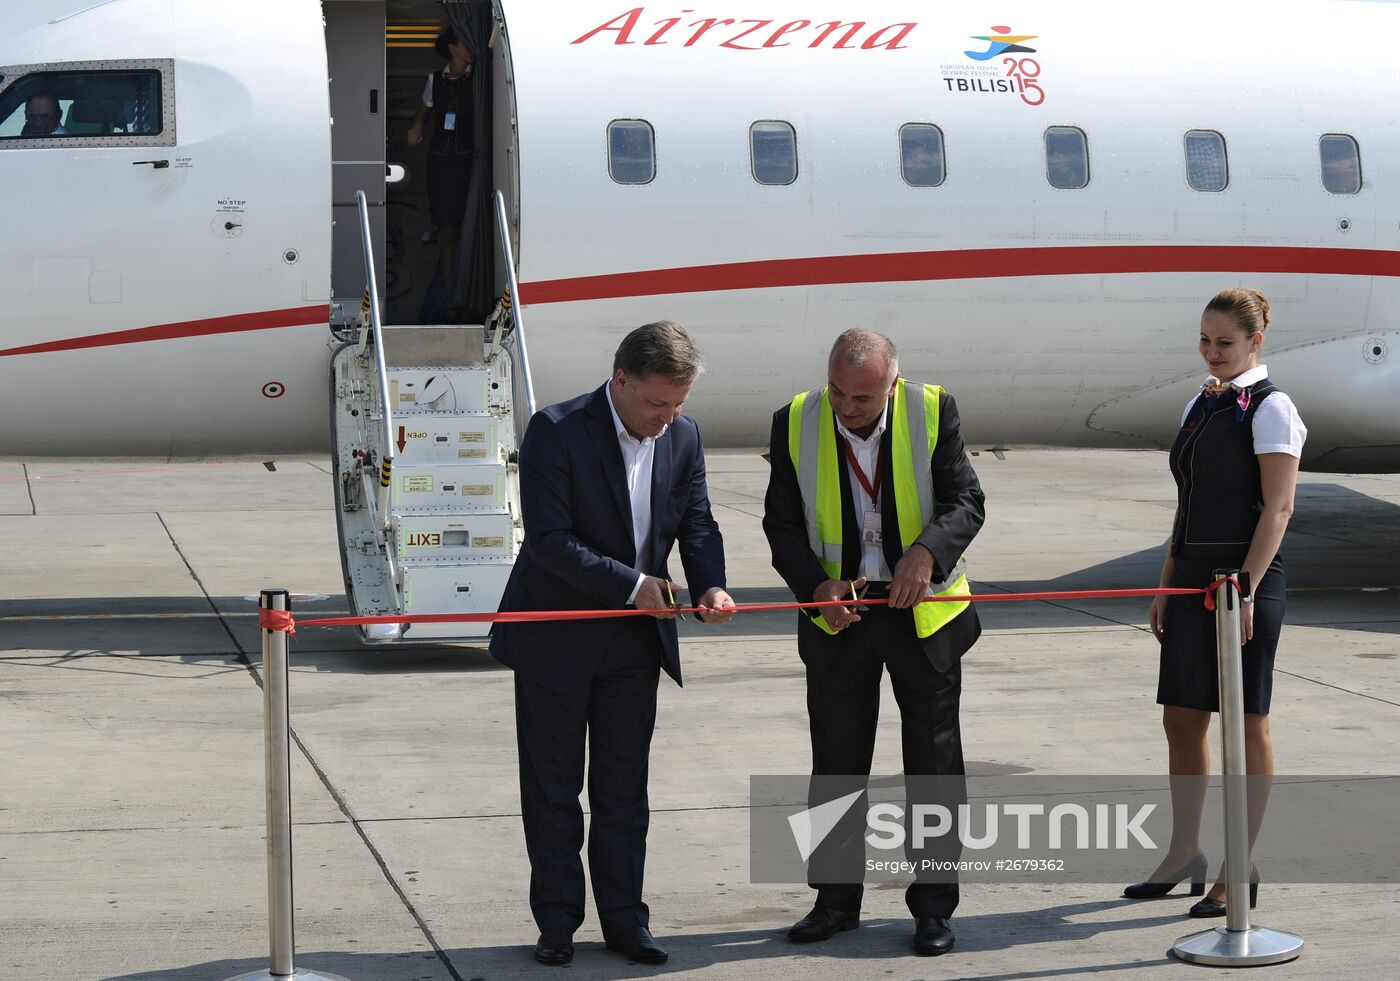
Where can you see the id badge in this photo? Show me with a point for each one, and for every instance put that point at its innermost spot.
(449, 121)
(873, 532)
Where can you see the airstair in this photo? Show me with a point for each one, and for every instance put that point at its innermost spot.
(425, 423)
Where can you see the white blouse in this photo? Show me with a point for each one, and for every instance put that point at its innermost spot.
(1277, 425)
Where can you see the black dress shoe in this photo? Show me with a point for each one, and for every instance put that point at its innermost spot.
(554, 949)
(638, 945)
(1213, 907)
(932, 935)
(822, 924)
(1194, 869)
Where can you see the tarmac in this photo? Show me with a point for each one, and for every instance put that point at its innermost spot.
(131, 775)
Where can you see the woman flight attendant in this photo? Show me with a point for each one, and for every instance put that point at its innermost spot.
(1235, 462)
(447, 98)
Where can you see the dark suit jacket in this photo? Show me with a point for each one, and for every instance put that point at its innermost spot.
(958, 512)
(579, 553)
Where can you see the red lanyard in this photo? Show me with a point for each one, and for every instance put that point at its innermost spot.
(872, 490)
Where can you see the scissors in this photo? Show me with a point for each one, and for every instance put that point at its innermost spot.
(858, 596)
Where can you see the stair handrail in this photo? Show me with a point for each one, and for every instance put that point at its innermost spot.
(383, 372)
(507, 253)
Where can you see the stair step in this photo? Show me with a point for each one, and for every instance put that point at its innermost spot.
(452, 589)
(435, 345)
(447, 538)
(448, 438)
(415, 389)
(464, 487)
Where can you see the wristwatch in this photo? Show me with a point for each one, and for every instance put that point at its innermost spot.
(1246, 593)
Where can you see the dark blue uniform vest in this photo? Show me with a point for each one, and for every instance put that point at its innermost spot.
(1219, 493)
(452, 95)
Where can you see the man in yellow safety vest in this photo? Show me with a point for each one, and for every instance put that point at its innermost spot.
(871, 494)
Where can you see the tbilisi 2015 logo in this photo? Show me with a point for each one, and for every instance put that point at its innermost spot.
(1001, 69)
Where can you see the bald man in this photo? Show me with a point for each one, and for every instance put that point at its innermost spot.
(41, 117)
(871, 493)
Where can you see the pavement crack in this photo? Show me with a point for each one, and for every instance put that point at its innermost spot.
(1069, 609)
(200, 583)
(1325, 684)
(374, 852)
(29, 486)
(735, 507)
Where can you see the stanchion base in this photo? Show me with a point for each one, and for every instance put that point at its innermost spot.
(301, 975)
(1257, 945)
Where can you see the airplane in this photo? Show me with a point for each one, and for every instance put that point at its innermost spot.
(1033, 204)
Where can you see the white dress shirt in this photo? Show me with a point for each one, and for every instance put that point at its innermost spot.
(1277, 426)
(867, 453)
(637, 457)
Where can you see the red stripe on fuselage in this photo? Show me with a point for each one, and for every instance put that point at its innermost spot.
(267, 320)
(904, 267)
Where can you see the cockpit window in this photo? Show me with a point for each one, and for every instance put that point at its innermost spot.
(78, 104)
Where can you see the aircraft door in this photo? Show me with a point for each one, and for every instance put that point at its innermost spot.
(355, 56)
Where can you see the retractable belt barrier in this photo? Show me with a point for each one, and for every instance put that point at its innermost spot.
(1238, 943)
(283, 621)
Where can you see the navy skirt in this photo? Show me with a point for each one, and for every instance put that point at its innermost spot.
(449, 176)
(1187, 676)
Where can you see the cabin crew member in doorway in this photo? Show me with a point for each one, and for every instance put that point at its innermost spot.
(447, 98)
(871, 489)
(610, 481)
(1235, 462)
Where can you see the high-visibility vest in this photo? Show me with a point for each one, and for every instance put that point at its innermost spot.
(913, 436)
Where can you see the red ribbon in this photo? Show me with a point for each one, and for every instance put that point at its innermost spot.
(1210, 591)
(282, 619)
(277, 620)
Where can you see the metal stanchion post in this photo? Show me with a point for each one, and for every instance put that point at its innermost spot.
(1236, 944)
(277, 760)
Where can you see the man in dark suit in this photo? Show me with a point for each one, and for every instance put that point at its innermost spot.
(907, 506)
(609, 482)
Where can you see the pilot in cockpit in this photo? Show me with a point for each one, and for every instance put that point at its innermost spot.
(41, 117)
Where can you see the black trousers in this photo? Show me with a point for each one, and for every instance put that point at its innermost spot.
(615, 714)
(843, 706)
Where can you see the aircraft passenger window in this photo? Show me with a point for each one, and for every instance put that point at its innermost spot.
(1341, 163)
(773, 152)
(1206, 166)
(1066, 157)
(631, 151)
(921, 154)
